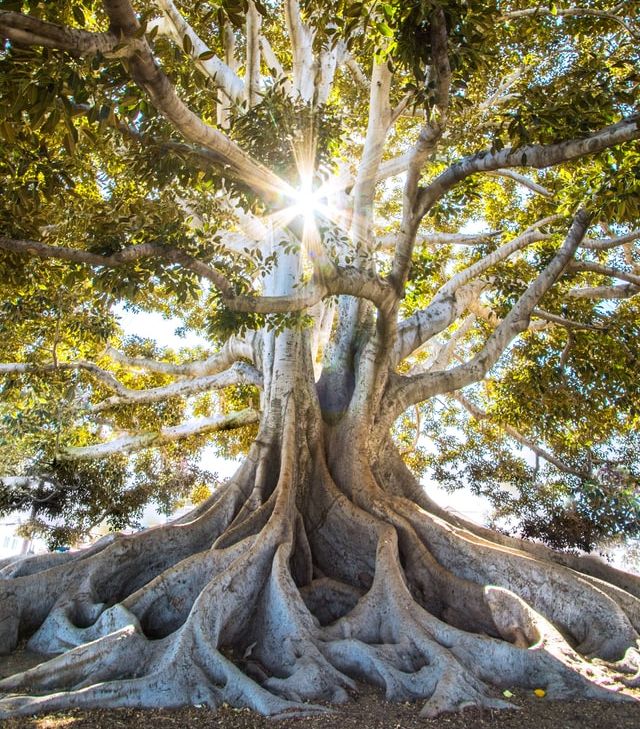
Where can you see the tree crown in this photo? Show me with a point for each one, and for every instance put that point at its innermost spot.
(475, 174)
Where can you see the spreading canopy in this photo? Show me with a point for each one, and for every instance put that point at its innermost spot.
(385, 220)
(446, 152)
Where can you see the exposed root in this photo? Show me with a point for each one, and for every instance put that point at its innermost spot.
(55, 601)
(22, 566)
(398, 481)
(284, 591)
(384, 640)
(629, 667)
(591, 618)
(106, 659)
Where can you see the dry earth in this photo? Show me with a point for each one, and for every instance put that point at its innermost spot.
(367, 710)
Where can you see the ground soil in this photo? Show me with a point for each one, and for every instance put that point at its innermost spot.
(367, 710)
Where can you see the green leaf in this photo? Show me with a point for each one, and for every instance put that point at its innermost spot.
(353, 10)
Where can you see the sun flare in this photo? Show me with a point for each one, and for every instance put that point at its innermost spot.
(305, 201)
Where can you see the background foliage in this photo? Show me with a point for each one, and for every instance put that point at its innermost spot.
(86, 162)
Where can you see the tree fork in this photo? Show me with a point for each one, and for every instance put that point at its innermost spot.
(323, 562)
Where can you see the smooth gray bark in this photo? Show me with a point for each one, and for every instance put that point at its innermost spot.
(319, 564)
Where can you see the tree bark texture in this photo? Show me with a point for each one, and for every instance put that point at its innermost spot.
(320, 563)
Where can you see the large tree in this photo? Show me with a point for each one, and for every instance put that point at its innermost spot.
(294, 181)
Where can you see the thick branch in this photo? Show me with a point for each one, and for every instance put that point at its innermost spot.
(223, 107)
(11, 368)
(624, 291)
(564, 322)
(220, 72)
(408, 391)
(301, 40)
(432, 131)
(387, 242)
(327, 66)
(440, 66)
(27, 491)
(377, 128)
(501, 95)
(340, 280)
(394, 166)
(273, 62)
(356, 72)
(144, 70)
(239, 373)
(500, 254)
(605, 271)
(147, 74)
(606, 243)
(574, 12)
(250, 225)
(233, 350)
(536, 155)
(428, 140)
(446, 306)
(399, 165)
(443, 351)
(523, 180)
(252, 66)
(121, 258)
(203, 155)
(424, 324)
(130, 443)
(28, 30)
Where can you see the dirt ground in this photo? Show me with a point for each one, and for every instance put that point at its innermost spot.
(367, 710)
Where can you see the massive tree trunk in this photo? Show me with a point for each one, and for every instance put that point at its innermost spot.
(320, 563)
